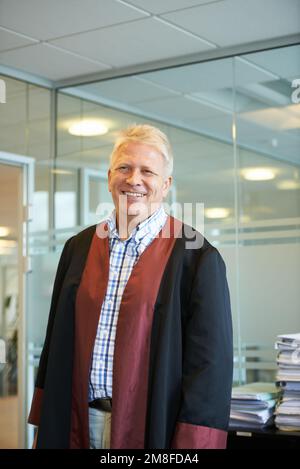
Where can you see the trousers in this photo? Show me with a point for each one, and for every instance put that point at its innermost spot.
(99, 429)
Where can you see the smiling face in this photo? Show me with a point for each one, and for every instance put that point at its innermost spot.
(137, 180)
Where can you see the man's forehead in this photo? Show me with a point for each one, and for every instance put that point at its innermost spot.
(129, 148)
(129, 154)
(138, 153)
(137, 161)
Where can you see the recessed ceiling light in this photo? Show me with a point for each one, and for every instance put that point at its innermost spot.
(88, 128)
(288, 184)
(258, 174)
(4, 231)
(216, 212)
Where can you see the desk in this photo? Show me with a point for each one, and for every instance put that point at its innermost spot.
(270, 438)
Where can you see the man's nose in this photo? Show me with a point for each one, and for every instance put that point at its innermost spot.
(134, 178)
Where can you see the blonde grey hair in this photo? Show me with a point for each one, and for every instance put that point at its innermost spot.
(149, 135)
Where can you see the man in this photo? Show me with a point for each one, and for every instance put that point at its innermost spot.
(138, 350)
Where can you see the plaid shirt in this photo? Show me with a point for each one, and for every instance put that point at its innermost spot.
(123, 256)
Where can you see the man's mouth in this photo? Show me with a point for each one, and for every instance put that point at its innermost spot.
(138, 195)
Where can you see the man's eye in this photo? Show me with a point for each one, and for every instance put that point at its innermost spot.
(147, 171)
(123, 168)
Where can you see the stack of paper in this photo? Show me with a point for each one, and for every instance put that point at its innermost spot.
(252, 405)
(288, 376)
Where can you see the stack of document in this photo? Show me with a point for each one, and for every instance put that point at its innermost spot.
(288, 376)
(252, 405)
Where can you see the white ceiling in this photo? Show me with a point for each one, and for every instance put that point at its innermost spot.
(60, 39)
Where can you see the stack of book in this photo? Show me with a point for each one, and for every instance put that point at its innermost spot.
(288, 377)
(252, 405)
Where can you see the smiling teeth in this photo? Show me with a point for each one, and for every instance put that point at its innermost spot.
(134, 194)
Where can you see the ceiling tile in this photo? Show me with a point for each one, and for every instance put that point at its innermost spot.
(54, 18)
(132, 43)
(49, 62)
(234, 22)
(10, 40)
(158, 6)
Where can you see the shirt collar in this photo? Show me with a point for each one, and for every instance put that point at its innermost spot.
(153, 224)
(112, 225)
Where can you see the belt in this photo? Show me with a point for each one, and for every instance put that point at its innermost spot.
(104, 404)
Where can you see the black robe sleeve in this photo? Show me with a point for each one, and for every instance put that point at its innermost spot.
(207, 359)
(34, 415)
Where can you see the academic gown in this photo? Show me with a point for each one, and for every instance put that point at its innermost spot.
(173, 358)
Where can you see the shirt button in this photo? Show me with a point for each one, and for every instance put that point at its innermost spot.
(104, 333)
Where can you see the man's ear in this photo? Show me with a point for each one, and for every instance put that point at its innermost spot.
(167, 185)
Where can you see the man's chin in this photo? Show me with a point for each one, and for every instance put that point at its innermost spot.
(136, 208)
(139, 209)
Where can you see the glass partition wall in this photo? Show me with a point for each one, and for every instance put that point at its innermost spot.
(24, 130)
(234, 125)
(268, 154)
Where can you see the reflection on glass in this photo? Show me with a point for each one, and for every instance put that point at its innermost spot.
(268, 138)
(65, 197)
(250, 186)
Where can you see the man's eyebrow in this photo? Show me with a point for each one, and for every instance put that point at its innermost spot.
(143, 167)
(147, 167)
